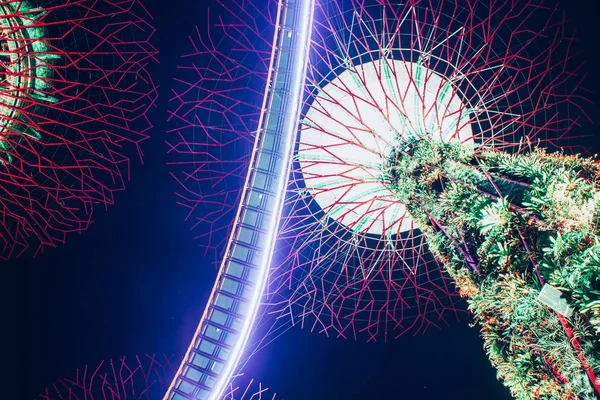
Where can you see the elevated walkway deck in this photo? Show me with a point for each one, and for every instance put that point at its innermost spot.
(227, 321)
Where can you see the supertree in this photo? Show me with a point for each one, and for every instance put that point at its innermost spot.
(469, 72)
(140, 378)
(75, 91)
(520, 235)
(351, 262)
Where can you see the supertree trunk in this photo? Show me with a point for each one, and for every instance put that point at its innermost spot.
(519, 234)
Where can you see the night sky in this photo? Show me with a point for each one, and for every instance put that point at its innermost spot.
(136, 283)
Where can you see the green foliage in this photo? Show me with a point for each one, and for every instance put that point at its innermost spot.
(502, 225)
(28, 64)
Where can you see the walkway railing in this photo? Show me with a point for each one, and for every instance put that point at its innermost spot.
(227, 321)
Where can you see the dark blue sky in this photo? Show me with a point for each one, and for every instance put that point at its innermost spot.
(136, 283)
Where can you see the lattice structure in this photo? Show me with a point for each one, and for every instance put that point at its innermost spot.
(251, 391)
(351, 263)
(141, 378)
(214, 112)
(75, 91)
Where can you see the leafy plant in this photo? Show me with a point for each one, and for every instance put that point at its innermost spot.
(503, 225)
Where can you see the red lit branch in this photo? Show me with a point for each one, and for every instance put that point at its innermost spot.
(75, 92)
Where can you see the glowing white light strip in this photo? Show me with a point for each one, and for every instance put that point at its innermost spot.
(289, 133)
(303, 28)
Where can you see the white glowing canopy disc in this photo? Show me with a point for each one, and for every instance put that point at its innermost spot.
(351, 128)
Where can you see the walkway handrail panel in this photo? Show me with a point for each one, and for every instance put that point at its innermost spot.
(227, 320)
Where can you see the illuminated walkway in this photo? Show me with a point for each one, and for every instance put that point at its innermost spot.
(227, 321)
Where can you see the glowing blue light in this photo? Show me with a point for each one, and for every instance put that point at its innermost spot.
(289, 115)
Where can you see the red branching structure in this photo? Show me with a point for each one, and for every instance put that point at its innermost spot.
(140, 378)
(143, 377)
(216, 102)
(251, 391)
(462, 71)
(351, 262)
(75, 90)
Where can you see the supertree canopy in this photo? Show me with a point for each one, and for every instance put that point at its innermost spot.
(519, 233)
(351, 261)
(74, 96)
(140, 378)
(467, 72)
